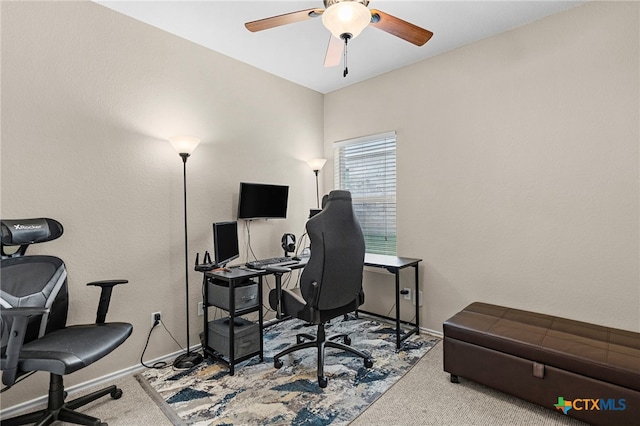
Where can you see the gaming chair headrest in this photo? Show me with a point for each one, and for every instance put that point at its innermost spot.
(29, 231)
(337, 195)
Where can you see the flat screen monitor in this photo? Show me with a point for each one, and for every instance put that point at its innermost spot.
(225, 242)
(262, 201)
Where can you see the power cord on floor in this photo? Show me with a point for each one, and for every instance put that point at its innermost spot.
(160, 364)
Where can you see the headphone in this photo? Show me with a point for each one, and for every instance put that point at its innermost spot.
(289, 243)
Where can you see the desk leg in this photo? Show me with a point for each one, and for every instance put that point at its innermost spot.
(417, 297)
(278, 276)
(205, 301)
(260, 320)
(232, 315)
(396, 273)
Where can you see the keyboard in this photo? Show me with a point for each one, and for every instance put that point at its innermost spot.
(264, 263)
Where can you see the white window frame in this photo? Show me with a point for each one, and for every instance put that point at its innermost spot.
(373, 189)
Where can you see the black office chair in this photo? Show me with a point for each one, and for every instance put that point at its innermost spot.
(331, 283)
(34, 334)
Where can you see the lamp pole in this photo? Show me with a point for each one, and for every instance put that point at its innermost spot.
(188, 359)
(317, 191)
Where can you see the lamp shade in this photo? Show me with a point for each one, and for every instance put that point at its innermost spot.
(316, 163)
(184, 144)
(346, 17)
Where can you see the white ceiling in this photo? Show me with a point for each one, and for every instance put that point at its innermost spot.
(296, 51)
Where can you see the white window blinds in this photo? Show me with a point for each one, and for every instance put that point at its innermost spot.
(366, 167)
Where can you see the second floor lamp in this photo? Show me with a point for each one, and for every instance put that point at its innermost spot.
(316, 165)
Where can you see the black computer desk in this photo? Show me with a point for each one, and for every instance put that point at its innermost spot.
(393, 264)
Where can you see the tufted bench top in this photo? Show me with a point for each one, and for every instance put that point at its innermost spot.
(602, 353)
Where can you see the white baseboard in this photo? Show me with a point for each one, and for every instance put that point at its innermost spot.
(437, 334)
(80, 388)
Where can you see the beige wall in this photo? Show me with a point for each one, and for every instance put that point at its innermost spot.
(89, 98)
(518, 163)
(517, 168)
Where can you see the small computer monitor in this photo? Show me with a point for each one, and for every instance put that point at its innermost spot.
(225, 242)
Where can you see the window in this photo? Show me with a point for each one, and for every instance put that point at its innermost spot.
(366, 167)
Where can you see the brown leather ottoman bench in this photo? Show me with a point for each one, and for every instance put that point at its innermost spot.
(583, 370)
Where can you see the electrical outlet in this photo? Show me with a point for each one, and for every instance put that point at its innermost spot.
(419, 298)
(200, 309)
(156, 317)
(406, 292)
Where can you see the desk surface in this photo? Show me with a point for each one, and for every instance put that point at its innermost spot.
(374, 260)
(235, 273)
(385, 261)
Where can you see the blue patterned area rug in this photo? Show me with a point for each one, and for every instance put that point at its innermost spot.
(259, 394)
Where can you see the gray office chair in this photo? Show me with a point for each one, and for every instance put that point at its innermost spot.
(331, 283)
(34, 334)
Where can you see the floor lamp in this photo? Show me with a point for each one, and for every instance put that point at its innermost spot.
(184, 145)
(316, 165)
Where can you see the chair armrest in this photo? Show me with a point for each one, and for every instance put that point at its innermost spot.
(105, 297)
(278, 272)
(16, 339)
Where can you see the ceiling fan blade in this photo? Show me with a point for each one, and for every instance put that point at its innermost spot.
(287, 18)
(399, 28)
(333, 57)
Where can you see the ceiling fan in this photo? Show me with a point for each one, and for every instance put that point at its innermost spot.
(345, 19)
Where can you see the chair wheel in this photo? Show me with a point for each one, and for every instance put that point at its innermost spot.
(277, 363)
(322, 382)
(368, 363)
(116, 394)
(347, 340)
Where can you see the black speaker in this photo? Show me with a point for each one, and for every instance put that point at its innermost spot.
(288, 243)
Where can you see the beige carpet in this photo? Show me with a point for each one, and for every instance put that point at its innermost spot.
(424, 396)
(137, 407)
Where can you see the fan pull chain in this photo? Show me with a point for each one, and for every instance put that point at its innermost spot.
(346, 69)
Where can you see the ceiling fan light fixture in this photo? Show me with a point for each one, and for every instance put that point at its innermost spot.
(346, 17)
